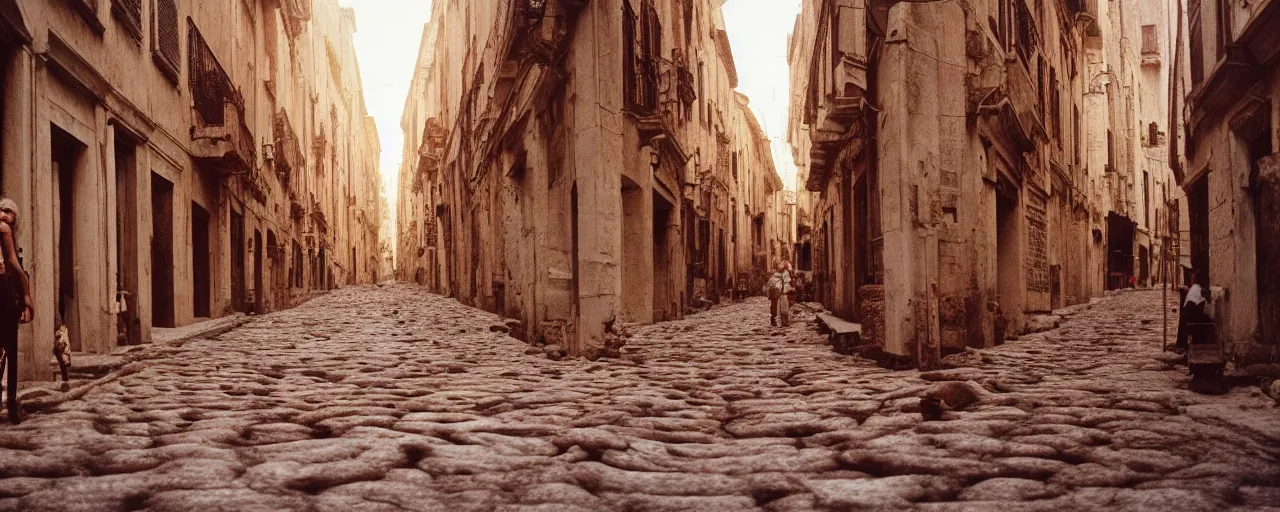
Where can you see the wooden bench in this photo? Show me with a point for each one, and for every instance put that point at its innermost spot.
(844, 336)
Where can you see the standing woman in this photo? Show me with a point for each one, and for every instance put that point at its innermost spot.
(15, 300)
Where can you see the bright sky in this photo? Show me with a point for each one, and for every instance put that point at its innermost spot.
(386, 39)
(387, 45)
(758, 32)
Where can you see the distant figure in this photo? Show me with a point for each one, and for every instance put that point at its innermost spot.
(778, 287)
(62, 352)
(15, 302)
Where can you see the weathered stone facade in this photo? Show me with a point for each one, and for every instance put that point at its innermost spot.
(175, 160)
(955, 158)
(571, 164)
(1227, 83)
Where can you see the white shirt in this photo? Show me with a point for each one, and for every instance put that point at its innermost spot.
(1195, 295)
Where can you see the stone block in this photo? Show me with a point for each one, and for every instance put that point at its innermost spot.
(872, 305)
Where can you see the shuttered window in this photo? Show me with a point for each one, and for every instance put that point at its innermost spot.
(129, 12)
(166, 44)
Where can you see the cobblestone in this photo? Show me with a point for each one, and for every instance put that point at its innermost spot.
(390, 398)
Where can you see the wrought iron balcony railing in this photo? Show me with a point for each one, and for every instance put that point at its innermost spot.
(220, 137)
(289, 157)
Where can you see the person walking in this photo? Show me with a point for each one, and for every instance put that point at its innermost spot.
(15, 302)
(778, 286)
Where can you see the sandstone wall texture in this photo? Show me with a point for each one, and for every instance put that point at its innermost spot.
(582, 165)
(175, 160)
(967, 157)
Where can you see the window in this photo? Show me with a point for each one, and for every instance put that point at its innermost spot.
(271, 42)
(1003, 14)
(642, 50)
(1146, 199)
(688, 22)
(1224, 26)
(1027, 36)
(1197, 41)
(1041, 89)
(1153, 134)
(1111, 162)
(1150, 45)
(129, 12)
(1075, 131)
(1055, 106)
(165, 44)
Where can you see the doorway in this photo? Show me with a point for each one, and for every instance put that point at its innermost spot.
(259, 280)
(634, 265)
(1007, 264)
(238, 285)
(67, 153)
(162, 314)
(722, 271)
(1264, 184)
(664, 302)
(128, 321)
(1144, 265)
(201, 286)
(1120, 233)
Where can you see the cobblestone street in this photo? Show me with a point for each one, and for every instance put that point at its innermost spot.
(390, 398)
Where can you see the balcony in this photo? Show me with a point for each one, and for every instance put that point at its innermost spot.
(540, 28)
(836, 107)
(1010, 107)
(430, 153)
(1239, 69)
(226, 148)
(318, 217)
(288, 149)
(296, 210)
(220, 140)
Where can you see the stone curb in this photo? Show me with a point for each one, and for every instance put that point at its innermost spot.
(130, 363)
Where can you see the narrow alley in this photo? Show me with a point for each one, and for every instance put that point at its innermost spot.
(375, 398)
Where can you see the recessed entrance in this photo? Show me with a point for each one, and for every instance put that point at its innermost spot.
(1008, 265)
(238, 285)
(162, 314)
(259, 281)
(130, 326)
(201, 285)
(664, 300)
(67, 155)
(636, 270)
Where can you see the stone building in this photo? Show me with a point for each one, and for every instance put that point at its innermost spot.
(176, 160)
(570, 164)
(1126, 107)
(1228, 82)
(962, 159)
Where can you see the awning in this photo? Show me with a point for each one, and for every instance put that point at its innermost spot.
(12, 29)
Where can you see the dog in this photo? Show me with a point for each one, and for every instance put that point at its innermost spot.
(62, 352)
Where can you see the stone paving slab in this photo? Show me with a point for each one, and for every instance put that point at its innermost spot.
(376, 398)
